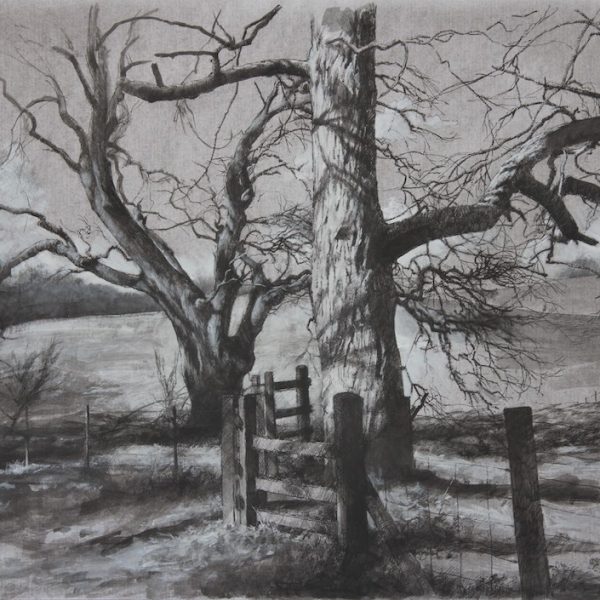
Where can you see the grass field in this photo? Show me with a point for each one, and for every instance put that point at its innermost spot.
(124, 530)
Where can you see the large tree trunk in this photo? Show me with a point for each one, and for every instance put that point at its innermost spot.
(210, 372)
(353, 294)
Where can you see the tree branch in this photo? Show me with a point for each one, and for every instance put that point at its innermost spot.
(168, 285)
(65, 247)
(514, 175)
(91, 264)
(585, 189)
(559, 87)
(33, 132)
(268, 68)
(66, 117)
(263, 299)
(412, 232)
(84, 82)
(549, 199)
(227, 42)
(210, 34)
(23, 256)
(42, 221)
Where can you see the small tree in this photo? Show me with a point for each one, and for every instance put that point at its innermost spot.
(26, 381)
(172, 394)
(173, 400)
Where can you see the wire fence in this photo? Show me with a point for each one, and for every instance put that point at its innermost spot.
(460, 513)
(90, 433)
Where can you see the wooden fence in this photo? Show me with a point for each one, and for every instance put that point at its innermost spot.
(450, 532)
(250, 449)
(527, 508)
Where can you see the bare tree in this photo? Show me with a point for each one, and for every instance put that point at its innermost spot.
(253, 259)
(530, 161)
(24, 382)
(453, 200)
(472, 194)
(441, 259)
(171, 393)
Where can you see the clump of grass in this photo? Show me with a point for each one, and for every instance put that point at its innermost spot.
(570, 582)
(451, 585)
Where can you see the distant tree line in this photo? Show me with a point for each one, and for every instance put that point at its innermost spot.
(33, 295)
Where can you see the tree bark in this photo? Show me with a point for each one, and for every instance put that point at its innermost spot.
(211, 371)
(353, 291)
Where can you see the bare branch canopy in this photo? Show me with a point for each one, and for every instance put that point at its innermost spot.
(513, 177)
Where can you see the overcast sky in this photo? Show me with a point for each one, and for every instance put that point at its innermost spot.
(153, 137)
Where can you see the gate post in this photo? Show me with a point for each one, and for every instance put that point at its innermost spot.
(303, 401)
(269, 427)
(248, 462)
(527, 508)
(86, 443)
(350, 472)
(257, 390)
(229, 458)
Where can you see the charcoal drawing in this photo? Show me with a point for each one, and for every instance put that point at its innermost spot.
(299, 300)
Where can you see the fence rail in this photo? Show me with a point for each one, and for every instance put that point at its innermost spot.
(303, 491)
(326, 527)
(249, 451)
(291, 411)
(253, 447)
(298, 448)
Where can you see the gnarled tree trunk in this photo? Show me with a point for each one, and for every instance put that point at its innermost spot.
(212, 369)
(353, 292)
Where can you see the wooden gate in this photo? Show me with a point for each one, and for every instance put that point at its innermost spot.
(250, 448)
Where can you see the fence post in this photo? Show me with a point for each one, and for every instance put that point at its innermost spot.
(175, 441)
(350, 473)
(527, 508)
(303, 401)
(86, 448)
(490, 533)
(229, 458)
(265, 423)
(261, 424)
(247, 499)
(27, 436)
(458, 533)
(429, 527)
